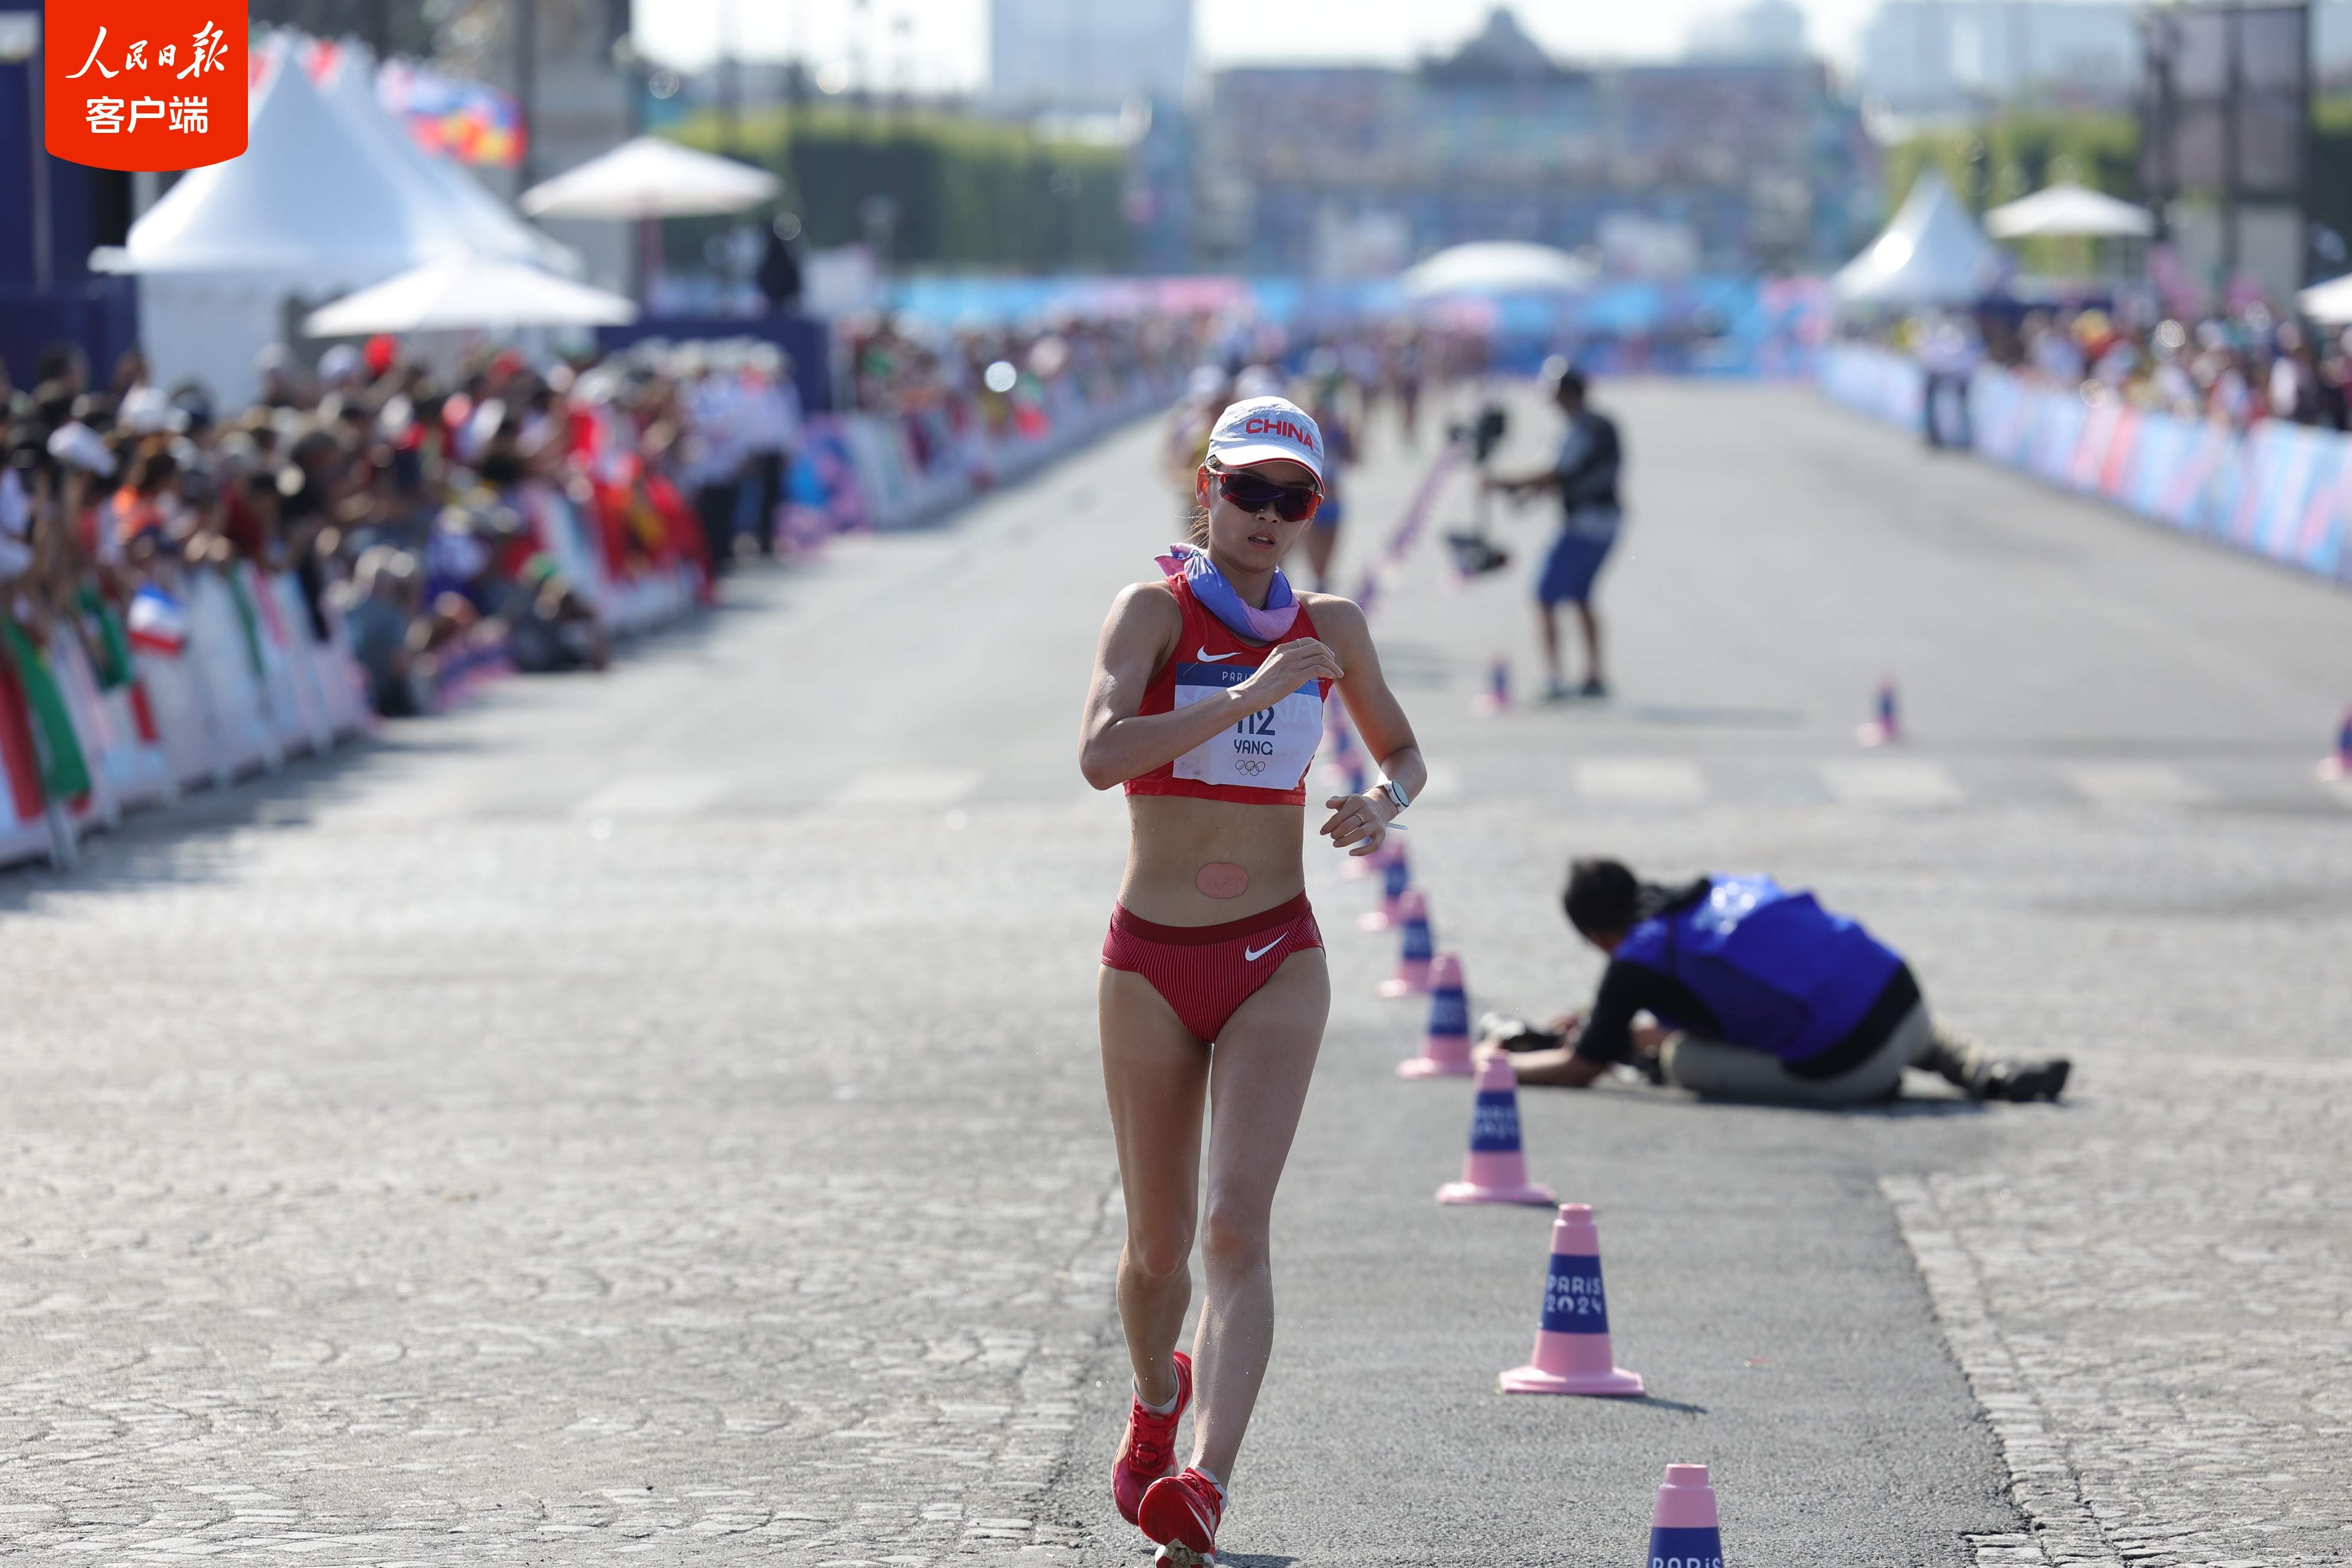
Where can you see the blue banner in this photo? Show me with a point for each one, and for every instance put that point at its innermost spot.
(1572, 1300)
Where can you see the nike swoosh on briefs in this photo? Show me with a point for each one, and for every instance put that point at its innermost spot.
(1205, 656)
(1253, 956)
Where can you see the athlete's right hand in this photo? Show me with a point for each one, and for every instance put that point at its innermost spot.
(1289, 667)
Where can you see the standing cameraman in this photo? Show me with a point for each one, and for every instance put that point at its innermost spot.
(1585, 475)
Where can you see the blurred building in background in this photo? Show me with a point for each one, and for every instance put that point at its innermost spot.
(1955, 59)
(1943, 57)
(1347, 172)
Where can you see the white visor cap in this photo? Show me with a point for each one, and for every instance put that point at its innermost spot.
(1267, 430)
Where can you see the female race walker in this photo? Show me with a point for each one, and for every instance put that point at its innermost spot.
(1207, 703)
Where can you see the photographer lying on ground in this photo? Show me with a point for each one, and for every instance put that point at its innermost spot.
(1757, 993)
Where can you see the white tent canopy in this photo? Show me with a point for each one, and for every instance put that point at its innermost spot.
(2070, 210)
(489, 226)
(309, 200)
(1497, 267)
(473, 293)
(1932, 253)
(651, 178)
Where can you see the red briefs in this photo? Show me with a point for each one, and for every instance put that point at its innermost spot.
(1206, 972)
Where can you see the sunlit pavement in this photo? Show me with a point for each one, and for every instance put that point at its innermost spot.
(659, 1112)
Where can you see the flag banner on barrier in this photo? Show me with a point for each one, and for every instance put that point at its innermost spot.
(159, 623)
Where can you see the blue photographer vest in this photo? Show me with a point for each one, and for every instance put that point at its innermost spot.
(1781, 974)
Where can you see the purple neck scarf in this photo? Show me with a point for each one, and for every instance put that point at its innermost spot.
(1209, 585)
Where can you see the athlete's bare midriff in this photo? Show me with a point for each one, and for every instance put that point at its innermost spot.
(1175, 838)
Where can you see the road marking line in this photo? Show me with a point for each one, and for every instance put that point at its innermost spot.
(1891, 781)
(656, 794)
(909, 787)
(2137, 785)
(1640, 781)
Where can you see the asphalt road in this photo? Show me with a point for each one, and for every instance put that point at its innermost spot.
(657, 1114)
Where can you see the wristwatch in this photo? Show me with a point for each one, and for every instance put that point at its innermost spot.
(1395, 792)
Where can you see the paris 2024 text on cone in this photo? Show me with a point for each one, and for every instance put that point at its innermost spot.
(1411, 976)
(1446, 1049)
(1495, 1169)
(1396, 878)
(1572, 1353)
(1682, 1532)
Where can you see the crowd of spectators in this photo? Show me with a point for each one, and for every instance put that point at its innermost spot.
(2239, 367)
(949, 386)
(407, 504)
(435, 516)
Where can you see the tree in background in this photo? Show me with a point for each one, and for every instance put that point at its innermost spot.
(960, 192)
(2019, 153)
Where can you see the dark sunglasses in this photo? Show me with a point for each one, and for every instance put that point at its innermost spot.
(1292, 503)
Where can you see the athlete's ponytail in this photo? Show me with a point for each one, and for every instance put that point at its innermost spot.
(1196, 525)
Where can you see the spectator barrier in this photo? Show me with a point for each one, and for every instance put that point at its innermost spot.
(225, 672)
(2281, 490)
(224, 677)
(885, 471)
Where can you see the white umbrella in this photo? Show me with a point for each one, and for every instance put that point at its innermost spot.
(471, 293)
(2329, 303)
(650, 178)
(1497, 267)
(2071, 210)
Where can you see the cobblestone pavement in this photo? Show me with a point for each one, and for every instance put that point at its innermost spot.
(615, 1258)
(657, 1115)
(2155, 1311)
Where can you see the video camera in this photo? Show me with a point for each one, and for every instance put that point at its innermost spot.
(1473, 553)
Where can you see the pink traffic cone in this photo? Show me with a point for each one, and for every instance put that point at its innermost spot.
(1572, 1337)
(1446, 1049)
(1411, 976)
(1495, 1169)
(1396, 881)
(1497, 699)
(1884, 729)
(1683, 1532)
(2340, 766)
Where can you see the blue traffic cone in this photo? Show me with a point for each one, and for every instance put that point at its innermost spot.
(1495, 1169)
(1446, 1049)
(1396, 876)
(1884, 728)
(1497, 698)
(1573, 1353)
(1411, 976)
(1683, 1530)
(2340, 766)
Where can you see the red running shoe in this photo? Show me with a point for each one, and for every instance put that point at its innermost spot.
(1149, 1450)
(1182, 1514)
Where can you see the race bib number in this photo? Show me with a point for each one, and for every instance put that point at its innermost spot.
(1269, 748)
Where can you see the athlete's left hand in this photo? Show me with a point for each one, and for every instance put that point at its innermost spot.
(1361, 820)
